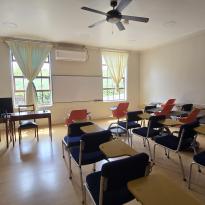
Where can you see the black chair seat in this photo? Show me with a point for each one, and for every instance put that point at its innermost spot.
(114, 197)
(143, 132)
(200, 158)
(27, 125)
(72, 141)
(130, 125)
(169, 141)
(87, 158)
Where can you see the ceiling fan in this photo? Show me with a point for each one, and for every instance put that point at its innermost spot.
(114, 16)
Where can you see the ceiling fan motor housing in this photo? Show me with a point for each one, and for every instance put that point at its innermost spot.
(114, 16)
(113, 3)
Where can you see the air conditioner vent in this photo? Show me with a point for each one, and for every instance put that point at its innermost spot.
(71, 55)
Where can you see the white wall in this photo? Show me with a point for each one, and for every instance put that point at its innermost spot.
(91, 67)
(176, 70)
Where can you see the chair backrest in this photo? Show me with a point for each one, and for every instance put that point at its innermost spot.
(154, 121)
(187, 107)
(148, 107)
(166, 110)
(121, 110)
(169, 102)
(187, 134)
(76, 115)
(191, 117)
(26, 108)
(116, 174)
(134, 116)
(74, 129)
(92, 141)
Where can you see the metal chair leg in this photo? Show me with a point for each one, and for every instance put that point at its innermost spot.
(94, 167)
(149, 150)
(69, 162)
(154, 151)
(84, 194)
(81, 181)
(190, 173)
(63, 150)
(182, 167)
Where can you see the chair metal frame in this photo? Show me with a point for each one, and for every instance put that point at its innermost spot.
(147, 136)
(103, 186)
(190, 171)
(79, 164)
(177, 151)
(25, 108)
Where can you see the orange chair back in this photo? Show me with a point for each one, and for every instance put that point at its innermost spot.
(169, 102)
(166, 110)
(191, 117)
(121, 110)
(76, 115)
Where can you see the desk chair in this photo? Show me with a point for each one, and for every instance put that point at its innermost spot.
(147, 108)
(171, 101)
(27, 124)
(191, 117)
(131, 122)
(76, 115)
(88, 152)
(120, 111)
(184, 141)
(74, 134)
(199, 159)
(153, 129)
(166, 110)
(187, 107)
(109, 186)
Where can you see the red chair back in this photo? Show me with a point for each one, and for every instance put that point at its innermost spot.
(76, 115)
(166, 110)
(191, 117)
(121, 110)
(169, 102)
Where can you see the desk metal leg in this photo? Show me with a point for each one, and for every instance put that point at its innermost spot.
(50, 127)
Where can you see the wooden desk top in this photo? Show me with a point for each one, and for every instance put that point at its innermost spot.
(200, 129)
(91, 128)
(30, 115)
(117, 148)
(144, 116)
(171, 122)
(157, 189)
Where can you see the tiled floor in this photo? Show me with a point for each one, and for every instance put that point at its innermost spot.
(35, 172)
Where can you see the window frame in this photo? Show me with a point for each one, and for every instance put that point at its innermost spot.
(124, 79)
(14, 90)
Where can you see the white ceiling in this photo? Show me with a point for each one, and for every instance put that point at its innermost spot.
(64, 21)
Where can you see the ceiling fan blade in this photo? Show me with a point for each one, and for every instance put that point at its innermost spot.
(120, 26)
(135, 18)
(97, 23)
(123, 4)
(93, 10)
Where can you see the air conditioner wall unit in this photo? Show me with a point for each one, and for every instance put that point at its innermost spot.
(71, 55)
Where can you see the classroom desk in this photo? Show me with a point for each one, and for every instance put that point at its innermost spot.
(157, 189)
(116, 148)
(145, 116)
(5, 121)
(170, 122)
(31, 115)
(200, 129)
(91, 128)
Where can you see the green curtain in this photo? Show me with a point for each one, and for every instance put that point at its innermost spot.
(30, 57)
(117, 63)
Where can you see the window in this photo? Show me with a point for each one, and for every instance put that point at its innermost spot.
(42, 83)
(109, 93)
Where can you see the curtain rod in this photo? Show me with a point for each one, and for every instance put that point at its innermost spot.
(55, 44)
